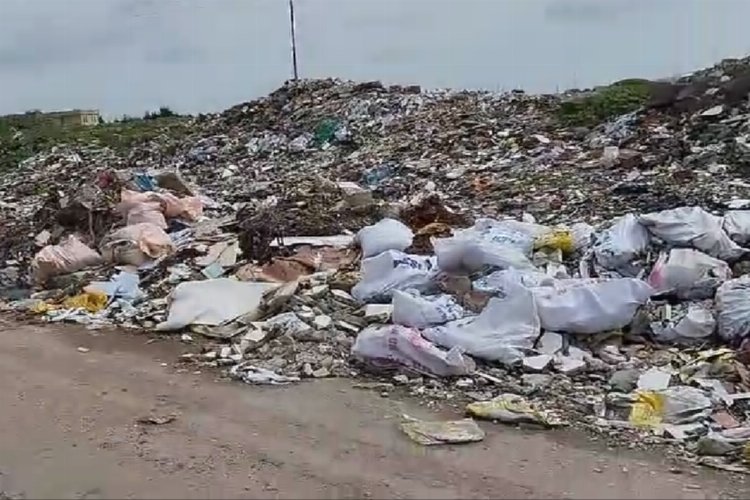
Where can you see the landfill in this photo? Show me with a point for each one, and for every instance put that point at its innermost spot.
(468, 248)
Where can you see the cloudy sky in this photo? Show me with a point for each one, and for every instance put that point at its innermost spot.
(126, 56)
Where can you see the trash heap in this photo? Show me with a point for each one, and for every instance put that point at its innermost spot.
(468, 247)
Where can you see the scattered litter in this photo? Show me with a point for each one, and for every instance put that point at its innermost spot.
(508, 409)
(459, 244)
(157, 419)
(250, 374)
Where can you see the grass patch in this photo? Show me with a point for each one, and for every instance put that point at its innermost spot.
(21, 137)
(605, 103)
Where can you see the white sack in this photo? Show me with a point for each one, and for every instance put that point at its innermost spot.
(737, 225)
(499, 281)
(418, 312)
(388, 234)
(212, 302)
(696, 325)
(688, 273)
(621, 245)
(694, 227)
(393, 346)
(733, 306)
(582, 235)
(506, 328)
(504, 244)
(586, 307)
(392, 270)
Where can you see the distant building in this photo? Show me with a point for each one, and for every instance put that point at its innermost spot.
(74, 117)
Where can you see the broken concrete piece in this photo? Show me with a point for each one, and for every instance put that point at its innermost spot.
(537, 363)
(449, 432)
(536, 380)
(624, 380)
(348, 327)
(318, 291)
(290, 324)
(569, 365)
(551, 343)
(378, 313)
(654, 379)
(343, 296)
(322, 322)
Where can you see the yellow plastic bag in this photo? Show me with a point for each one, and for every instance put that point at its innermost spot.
(507, 408)
(648, 409)
(42, 307)
(557, 239)
(91, 301)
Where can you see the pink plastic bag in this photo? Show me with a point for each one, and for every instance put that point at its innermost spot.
(149, 212)
(68, 257)
(189, 208)
(136, 244)
(395, 346)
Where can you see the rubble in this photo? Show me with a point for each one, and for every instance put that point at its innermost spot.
(467, 248)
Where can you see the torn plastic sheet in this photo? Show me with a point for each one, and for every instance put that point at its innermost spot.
(251, 374)
(504, 331)
(212, 302)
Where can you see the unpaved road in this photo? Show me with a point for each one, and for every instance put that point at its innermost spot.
(68, 430)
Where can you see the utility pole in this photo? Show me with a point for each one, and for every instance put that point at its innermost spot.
(294, 40)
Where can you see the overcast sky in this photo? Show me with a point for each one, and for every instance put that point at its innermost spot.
(126, 56)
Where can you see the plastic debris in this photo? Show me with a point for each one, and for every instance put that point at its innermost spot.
(90, 301)
(508, 409)
(388, 234)
(250, 374)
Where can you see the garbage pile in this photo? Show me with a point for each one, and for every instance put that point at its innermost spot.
(464, 246)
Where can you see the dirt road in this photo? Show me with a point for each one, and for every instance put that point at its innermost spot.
(68, 429)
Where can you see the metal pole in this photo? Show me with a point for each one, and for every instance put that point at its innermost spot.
(294, 40)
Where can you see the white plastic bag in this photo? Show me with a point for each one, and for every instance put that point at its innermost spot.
(410, 309)
(692, 226)
(388, 234)
(698, 324)
(499, 281)
(393, 270)
(582, 306)
(621, 245)
(506, 328)
(212, 302)
(688, 273)
(582, 235)
(393, 346)
(733, 306)
(504, 244)
(737, 225)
